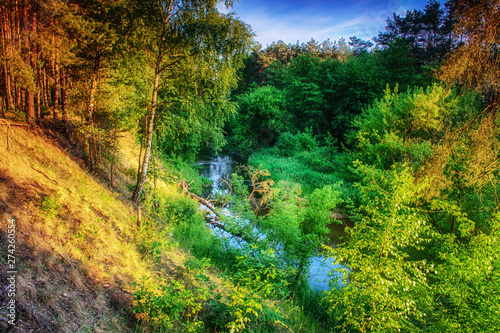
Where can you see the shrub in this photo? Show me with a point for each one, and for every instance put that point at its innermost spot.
(307, 141)
(288, 144)
(169, 305)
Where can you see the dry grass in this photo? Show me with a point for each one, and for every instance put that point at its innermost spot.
(75, 241)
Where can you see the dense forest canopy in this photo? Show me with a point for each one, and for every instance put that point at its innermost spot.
(400, 135)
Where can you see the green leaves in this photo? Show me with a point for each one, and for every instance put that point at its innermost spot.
(419, 255)
(405, 126)
(387, 283)
(262, 116)
(169, 304)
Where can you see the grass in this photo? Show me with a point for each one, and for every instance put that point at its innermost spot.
(311, 170)
(75, 236)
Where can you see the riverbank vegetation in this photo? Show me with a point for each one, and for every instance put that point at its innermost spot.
(106, 105)
(409, 133)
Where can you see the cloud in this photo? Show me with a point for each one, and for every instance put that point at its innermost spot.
(293, 28)
(290, 20)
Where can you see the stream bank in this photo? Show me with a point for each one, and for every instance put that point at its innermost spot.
(221, 167)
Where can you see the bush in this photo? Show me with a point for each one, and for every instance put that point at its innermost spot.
(169, 305)
(288, 144)
(306, 140)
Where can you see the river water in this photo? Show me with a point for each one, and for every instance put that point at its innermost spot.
(221, 167)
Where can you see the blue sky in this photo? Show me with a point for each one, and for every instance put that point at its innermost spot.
(292, 20)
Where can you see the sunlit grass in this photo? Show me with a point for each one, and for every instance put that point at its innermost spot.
(309, 169)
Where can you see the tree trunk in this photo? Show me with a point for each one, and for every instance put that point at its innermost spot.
(141, 178)
(300, 269)
(30, 96)
(45, 90)
(18, 106)
(114, 154)
(139, 164)
(2, 105)
(55, 74)
(9, 101)
(38, 72)
(8, 88)
(90, 122)
(38, 99)
(30, 106)
(64, 96)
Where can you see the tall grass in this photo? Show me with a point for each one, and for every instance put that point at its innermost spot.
(311, 169)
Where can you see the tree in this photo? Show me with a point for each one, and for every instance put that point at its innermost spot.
(422, 255)
(174, 32)
(427, 32)
(262, 117)
(359, 46)
(296, 226)
(475, 63)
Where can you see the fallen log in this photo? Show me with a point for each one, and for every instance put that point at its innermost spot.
(215, 220)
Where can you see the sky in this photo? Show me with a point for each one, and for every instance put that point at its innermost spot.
(295, 20)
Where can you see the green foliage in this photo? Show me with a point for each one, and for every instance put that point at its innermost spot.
(321, 94)
(153, 240)
(19, 115)
(297, 226)
(169, 305)
(50, 206)
(415, 245)
(325, 95)
(415, 266)
(306, 140)
(387, 282)
(288, 144)
(261, 271)
(427, 32)
(244, 308)
(311, 170)
(180, 168)
(261, 117)
(406, 126)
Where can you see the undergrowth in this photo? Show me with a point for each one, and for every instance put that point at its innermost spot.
(88, 263)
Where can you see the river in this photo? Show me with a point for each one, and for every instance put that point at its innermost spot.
(221, 167)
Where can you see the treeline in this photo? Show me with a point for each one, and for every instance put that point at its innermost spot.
(106, 66)
(322, 86)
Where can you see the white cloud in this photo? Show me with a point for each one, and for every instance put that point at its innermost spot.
(293, 28)
(273, 21)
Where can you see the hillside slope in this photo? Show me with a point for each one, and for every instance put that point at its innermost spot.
(75, 249)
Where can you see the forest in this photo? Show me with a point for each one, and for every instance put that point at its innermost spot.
(393, 139)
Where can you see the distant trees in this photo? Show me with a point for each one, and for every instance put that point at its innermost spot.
(427, 32)
(323, 89)
(359, 46)
(327, 84)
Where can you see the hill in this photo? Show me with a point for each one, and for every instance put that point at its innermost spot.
(76, 248)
